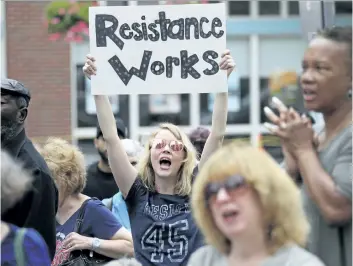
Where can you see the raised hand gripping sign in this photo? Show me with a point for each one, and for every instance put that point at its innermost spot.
(158, 49)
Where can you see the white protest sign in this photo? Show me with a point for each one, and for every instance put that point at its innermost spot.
(160, 49)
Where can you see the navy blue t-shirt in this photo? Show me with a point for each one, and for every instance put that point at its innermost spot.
(162, 227)
(98, 222)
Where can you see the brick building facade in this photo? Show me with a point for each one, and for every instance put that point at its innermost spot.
(43, 66)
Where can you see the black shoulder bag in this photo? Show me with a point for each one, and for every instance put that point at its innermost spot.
(82, 257)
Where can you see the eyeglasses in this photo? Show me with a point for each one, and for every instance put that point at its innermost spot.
(174, 145)
(234, 182)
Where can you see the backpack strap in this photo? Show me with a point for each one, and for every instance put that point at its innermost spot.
(19, 248)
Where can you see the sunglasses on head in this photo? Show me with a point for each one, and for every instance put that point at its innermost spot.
(174, 145)
(232, 182)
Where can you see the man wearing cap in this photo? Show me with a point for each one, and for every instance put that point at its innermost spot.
(100, 180)
(38, 208)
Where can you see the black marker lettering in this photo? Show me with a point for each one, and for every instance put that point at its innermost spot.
(144, 29)
(126, 75)
(216, 22)
(202, 33)
(159, 65)
(215, 67)
(122, 30)
(152, 28)
(163, 25)
(102, 32)
(187, 63)
(169, 65)
(180, 34)
(191, 22)
(136, 27)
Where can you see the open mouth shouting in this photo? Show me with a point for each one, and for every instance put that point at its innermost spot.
(229, 216)
(165, 163)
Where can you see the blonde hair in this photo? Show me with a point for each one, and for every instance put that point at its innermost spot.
(183, 186)
(278, 194)
(66, 164)
(15, 181)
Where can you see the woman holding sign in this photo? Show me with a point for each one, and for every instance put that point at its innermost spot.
(157, 194)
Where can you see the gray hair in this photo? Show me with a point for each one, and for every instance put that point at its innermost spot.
(124, 262)
(15, 181)
(133, 148)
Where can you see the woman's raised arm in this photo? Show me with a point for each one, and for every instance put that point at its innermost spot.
(124, 173)
(219, 114)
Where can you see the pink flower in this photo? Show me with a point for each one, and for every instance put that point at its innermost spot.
(54, 36)
(78, 38)
(86, 31)
(55, 21)
(62, 11)
(79, 27)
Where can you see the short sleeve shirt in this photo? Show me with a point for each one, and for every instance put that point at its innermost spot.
(98, 222)
(34, 247)
(290, 255)
(332, 243)
(163, 230)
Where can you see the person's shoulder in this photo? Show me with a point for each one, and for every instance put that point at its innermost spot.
(301, 257)
(92, 168)
(34, 241)
(95, 203)
(33, 160)
(35, 245)
(206, 255)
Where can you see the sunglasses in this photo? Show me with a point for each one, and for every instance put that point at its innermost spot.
(174, 145)
(234, 182)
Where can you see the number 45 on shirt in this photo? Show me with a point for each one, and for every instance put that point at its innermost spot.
(169, 239)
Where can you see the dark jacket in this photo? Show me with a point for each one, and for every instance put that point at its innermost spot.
(37, 209)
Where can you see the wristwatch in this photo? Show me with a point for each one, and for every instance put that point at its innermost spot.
(96, 243)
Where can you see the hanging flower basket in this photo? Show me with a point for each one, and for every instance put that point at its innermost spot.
(68, 20)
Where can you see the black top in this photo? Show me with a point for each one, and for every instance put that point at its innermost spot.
(163, 229)
(37, 209)
(99, 184)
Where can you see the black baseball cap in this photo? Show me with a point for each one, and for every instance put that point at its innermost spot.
(120, 125)
(15, 88)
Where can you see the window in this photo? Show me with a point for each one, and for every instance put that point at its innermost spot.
(343, 7)
(238, 88)
(117, 3)
(89, 150)
(86, 109)
(183, 2)
(284, 67)
(172, 108)
(147, 2)
(231, 137)
(272, 145)
(269, 8)
(269, 143)
(239, 8)
(293, 8)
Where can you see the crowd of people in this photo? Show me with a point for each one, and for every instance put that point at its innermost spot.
(185, 198)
